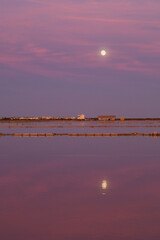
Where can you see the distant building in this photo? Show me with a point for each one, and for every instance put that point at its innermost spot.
(46, 117)
(107, 118)
(122, 118)
(81, 117)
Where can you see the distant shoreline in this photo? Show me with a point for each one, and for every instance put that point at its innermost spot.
(134, 134)
(79, 120)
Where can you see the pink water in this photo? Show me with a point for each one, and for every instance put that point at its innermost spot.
(80, 188)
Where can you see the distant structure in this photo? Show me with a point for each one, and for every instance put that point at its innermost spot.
(46, 118)
(107, 118)
(122, 118)
(81, 117)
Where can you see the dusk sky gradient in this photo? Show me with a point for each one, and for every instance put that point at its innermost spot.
(50, 61)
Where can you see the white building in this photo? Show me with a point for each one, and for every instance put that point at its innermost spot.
(81, 117)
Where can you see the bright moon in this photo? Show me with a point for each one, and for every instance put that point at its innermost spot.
(103, 52)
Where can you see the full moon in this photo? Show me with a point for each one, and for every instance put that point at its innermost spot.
(103, 52)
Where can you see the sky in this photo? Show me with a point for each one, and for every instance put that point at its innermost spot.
(50, 62)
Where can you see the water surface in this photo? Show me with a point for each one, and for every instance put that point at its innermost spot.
(79, 188)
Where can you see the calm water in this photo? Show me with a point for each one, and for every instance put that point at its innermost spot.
(79, 188)
(80, 127)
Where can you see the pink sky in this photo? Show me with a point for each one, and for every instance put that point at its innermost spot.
(50, 62)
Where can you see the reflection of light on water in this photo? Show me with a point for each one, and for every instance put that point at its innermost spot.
(104, 186)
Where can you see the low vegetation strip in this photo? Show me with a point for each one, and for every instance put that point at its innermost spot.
(89, 126)
(154, 134)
